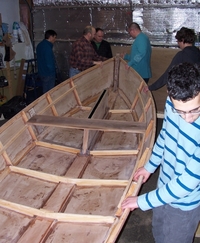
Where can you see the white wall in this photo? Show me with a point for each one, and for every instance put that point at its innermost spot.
(9, 10)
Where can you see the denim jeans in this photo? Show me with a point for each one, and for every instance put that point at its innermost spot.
(172, 225)
(73, 71)
(47, 83)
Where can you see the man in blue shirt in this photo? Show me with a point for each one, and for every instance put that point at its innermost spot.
(140, 56)
(176, 200)
(46, 60)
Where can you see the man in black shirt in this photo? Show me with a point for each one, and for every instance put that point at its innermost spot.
(101, 46)
(189, 53)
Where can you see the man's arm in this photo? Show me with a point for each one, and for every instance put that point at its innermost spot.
(180, 170)
(175, 190)
(150, 167)
(159, 83)
(127, 57)
(96, 57)
(81, 55)
(109, 51)
(50, 61)
(138, 51)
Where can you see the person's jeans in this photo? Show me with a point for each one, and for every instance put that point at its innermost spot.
(172, 225)
(47, 83)
(73, 71)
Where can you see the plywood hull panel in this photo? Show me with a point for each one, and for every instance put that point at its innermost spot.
(67, 159)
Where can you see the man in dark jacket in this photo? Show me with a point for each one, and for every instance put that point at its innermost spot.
(191, 54)
(101, 46)
(46, 60)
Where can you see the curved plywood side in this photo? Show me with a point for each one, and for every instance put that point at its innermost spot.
(142, 103)
(92, 81)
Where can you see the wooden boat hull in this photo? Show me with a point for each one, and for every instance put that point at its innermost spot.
(67, 159)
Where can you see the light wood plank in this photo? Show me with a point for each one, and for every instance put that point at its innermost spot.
(120, 111)
(37, 231)
(64, 217)
(56, 100)
(50, 101)
(75, 93)
(58, 147)
(57, 179)
(78, 166)
(57, 200)
(114, 152)
(85, 141)
(123, 215)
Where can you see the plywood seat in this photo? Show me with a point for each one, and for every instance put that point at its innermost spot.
(90, 124)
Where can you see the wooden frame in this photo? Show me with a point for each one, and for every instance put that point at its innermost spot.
(67, 160)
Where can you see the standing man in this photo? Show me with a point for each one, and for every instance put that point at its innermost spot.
(140, 56)
(46, 60)
(83, 55)
(101, 46)
(176, 201)
(189, 53)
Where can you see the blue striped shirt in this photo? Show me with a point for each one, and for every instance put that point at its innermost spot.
(177, 151)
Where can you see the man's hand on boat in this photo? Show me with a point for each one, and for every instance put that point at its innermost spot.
(131, 202)
(98, 63)
(141, 172)
(145, 89)
(127, 66)
(122, 55)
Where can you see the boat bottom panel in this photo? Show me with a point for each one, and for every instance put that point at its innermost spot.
(63, 136)
(117, 141)
(47, 160)
(25, 190)
(12, 225)
(94, 200)
(78, 233)
(110, 167)
(36, 231)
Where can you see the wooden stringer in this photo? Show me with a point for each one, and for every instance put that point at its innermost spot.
(75, 93)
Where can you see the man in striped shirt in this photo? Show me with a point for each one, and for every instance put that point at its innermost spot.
(176, 200)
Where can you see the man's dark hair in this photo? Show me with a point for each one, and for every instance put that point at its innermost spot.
(185, 35)
(49, 33)
(184, 81)
(134, 25)
(99, 29)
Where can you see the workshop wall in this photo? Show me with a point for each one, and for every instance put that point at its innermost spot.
(159, 19)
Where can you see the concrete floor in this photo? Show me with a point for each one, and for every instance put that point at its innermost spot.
(138, 226)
